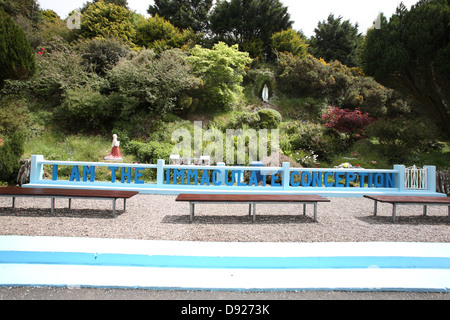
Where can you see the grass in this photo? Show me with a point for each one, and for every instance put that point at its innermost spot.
(58, 146)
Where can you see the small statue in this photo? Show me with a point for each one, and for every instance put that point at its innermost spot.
(265, 93)
(115, 152)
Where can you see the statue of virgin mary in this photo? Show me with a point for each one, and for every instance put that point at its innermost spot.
(265, 93)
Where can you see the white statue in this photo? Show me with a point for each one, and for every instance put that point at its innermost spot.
(265, 93)
(115, 152)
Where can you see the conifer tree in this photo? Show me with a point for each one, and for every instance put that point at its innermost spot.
(336, 40)
(411, 54)
(184, 14)
(17, 58)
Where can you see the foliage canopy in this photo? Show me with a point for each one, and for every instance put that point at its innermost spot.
(411, 53)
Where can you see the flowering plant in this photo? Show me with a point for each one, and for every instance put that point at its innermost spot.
(1, 142)
(347, 121)
(42, 51)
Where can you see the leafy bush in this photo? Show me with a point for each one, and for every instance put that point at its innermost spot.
(102, 54)
(221, 70)
(400, 138)
(159, 34)
(261, 119)
(14, 115)
(83, 109)
(149, 152)
(11, 151)
(339, 84)
(241, 119)
(347, 121)
(303, 76)
(59, 70)
(107, 20)
(269, 119)
(154, 83)
(310, 137)
(289, 41)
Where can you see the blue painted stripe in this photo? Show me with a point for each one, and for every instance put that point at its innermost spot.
(166, 261)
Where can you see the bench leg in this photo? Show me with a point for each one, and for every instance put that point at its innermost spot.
(52, 203)
(394, 212)
(124, 204)
(114, 207)
(315, 211)
(70, 203)
(191, 217)
(425, 210)
(249, 209)
(304, 209)
(14, 203)
(448, 214)
(254, 212)
(375, 210)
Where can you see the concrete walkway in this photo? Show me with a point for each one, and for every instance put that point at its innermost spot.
(240, 267)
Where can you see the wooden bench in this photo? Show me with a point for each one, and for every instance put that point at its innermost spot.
(251, 200)
(410, 200)
(54, 193)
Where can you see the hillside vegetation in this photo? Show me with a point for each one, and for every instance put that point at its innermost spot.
(145, 78)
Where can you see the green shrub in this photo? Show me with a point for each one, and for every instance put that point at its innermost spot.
(149, 152)
(17, 58)
(14, 115)
(83, 109)
(107, 20)
(59, 70)
(400, 138)
(11, 151)
(340, 85)
(310, 137)
(221, 70)
(241, 119)
(289, 41)
(159, 34)
(155, 83)
(269, 119)
(102, 54)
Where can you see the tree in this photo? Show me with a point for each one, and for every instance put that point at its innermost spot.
(411, 54)
(336, 40)
(17, 58)
(249, 23)
(289, 41)
(158, 33)
(185, 14)
(221, 71)
(27, 8)
(122, 3)
(107, 20)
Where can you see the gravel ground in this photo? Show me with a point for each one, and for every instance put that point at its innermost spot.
(160, 217)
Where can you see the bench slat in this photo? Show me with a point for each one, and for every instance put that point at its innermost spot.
(12, 191)
(250, 198)
(67, 193)
(409, 199)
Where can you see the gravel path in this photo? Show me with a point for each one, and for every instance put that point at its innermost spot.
(159, 217)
